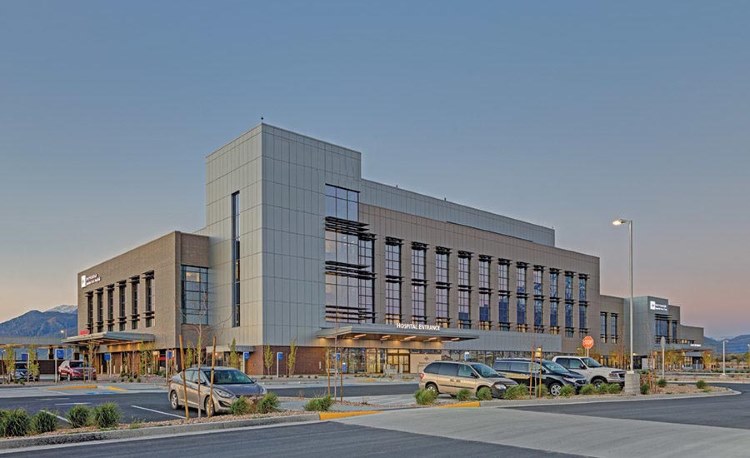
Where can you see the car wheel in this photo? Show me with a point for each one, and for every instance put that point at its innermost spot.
(598, 381)
(555, 389)
(174, 402)
(208, 407)
(432, 387)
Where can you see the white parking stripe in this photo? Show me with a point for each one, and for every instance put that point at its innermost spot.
(158, 411)
(58, 416)
(73, 404)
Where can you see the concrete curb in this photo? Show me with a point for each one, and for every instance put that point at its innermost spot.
(146, 431)
(324, 416)
(580, 399)
(461, 404)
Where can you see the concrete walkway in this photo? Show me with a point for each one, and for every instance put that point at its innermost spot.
(573, 434)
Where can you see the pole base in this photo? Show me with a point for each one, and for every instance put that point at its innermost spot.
(632, 383)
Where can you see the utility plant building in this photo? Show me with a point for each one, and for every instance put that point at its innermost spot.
(298, 247)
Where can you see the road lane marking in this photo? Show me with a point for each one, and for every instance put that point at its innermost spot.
(72, 387)
(158, 411)
(58, 416)
(54, 399)
(115, 388)
(73, 404)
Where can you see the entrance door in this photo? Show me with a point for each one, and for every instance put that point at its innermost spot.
(399, 360)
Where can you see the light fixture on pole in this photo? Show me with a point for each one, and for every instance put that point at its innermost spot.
(630, 382)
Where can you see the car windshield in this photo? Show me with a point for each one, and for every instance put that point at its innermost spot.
(76, 364)
(228, 377)
(590, 362)
(485, 370)
(554, 367)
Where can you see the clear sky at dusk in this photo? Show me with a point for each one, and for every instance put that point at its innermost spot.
(567, 114)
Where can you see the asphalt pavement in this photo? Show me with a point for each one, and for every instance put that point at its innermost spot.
(308, 440)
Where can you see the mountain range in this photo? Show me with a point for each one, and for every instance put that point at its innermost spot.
(43, 324)
(737, 344)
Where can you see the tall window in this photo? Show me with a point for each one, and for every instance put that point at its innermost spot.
(553, 277)
(392, 280)
(464, 290)
(418, 312)
(464, 319)
(674, 331)
(99, 310)
(366, 281)
(553, 317)
(484, 311)
(134, 315)
(484, 273)
(582, 324)
(521, 312)
(441, 287)
(662, 327)
(418, 262)
(568, 319)
(502, 275)
(538, 315)
(521, 278)
(613, 328)
(342, 203)
(538, 271)
(149, 299)
(603, 326)
(503, 312)
(568, 286)
(582, 280)
(111, 308)
(122, 317)
(90, 312)
(441, 307)
(194, 295)
(418, 283)
(236, 232)
(342, 298)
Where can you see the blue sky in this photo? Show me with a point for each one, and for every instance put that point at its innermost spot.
(567, 114)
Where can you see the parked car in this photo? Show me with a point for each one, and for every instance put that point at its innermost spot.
(553, 375)
(229, 385)
(593, 371)
(73, 370)
(22, 372)
(451, 376)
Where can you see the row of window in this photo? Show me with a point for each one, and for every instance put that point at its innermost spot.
(119, 291)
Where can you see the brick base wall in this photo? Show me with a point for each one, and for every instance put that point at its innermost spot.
(310, 360)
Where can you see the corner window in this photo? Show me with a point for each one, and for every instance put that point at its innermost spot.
(342, 203)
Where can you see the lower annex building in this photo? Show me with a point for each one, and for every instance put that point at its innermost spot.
(298, 247)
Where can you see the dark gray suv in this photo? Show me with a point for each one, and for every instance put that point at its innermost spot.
(553, 375)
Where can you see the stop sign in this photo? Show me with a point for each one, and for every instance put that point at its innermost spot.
(588, 342)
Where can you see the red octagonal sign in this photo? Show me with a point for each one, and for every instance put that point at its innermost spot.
(588, 342)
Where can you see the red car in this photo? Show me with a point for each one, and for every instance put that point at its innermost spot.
(76, 370)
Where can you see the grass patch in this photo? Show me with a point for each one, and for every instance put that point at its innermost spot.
(588, 389)
(79, 416)
(322, 404)
(268, 403)
(463, 395)
(645, 388)
(484, 394)
(567, 391)
(425, 397)
(701, 384)
(107, 415)
(240, 406)
(43, 422)
(662, 383)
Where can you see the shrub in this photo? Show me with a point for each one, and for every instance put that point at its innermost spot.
(240, 406)
(268, 403)
(79, 416)
(16, 423)
(484, 394)
(541, 391)
(517, 392)
(645, 388)
(463, 395)
(567, 391)
(322, 404)
(701, 384)
(614, 388)
(661, 383)
(588, 389)
(43, 422)
(107, 415)
(425, 397)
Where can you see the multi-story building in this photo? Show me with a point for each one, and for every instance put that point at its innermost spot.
(298, 247)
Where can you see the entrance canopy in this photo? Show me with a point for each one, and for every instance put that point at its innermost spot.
(109, 338)
(401, 332)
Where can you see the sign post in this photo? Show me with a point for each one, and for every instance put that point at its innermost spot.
(245, 358)
(108, 360)
(279, 357)
(663, 348)
(59, 354)
(588, 344)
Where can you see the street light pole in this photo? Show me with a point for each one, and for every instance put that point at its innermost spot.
(631, 384)
(724, 358)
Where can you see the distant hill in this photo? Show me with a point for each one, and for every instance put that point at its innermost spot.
(734, 345)
(42, 324)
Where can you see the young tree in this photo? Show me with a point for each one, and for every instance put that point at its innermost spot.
(708, 359)
(90, 349)
(33, 363)
(234, 359)
(268, 358)
(291, 358)
(9, 358)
